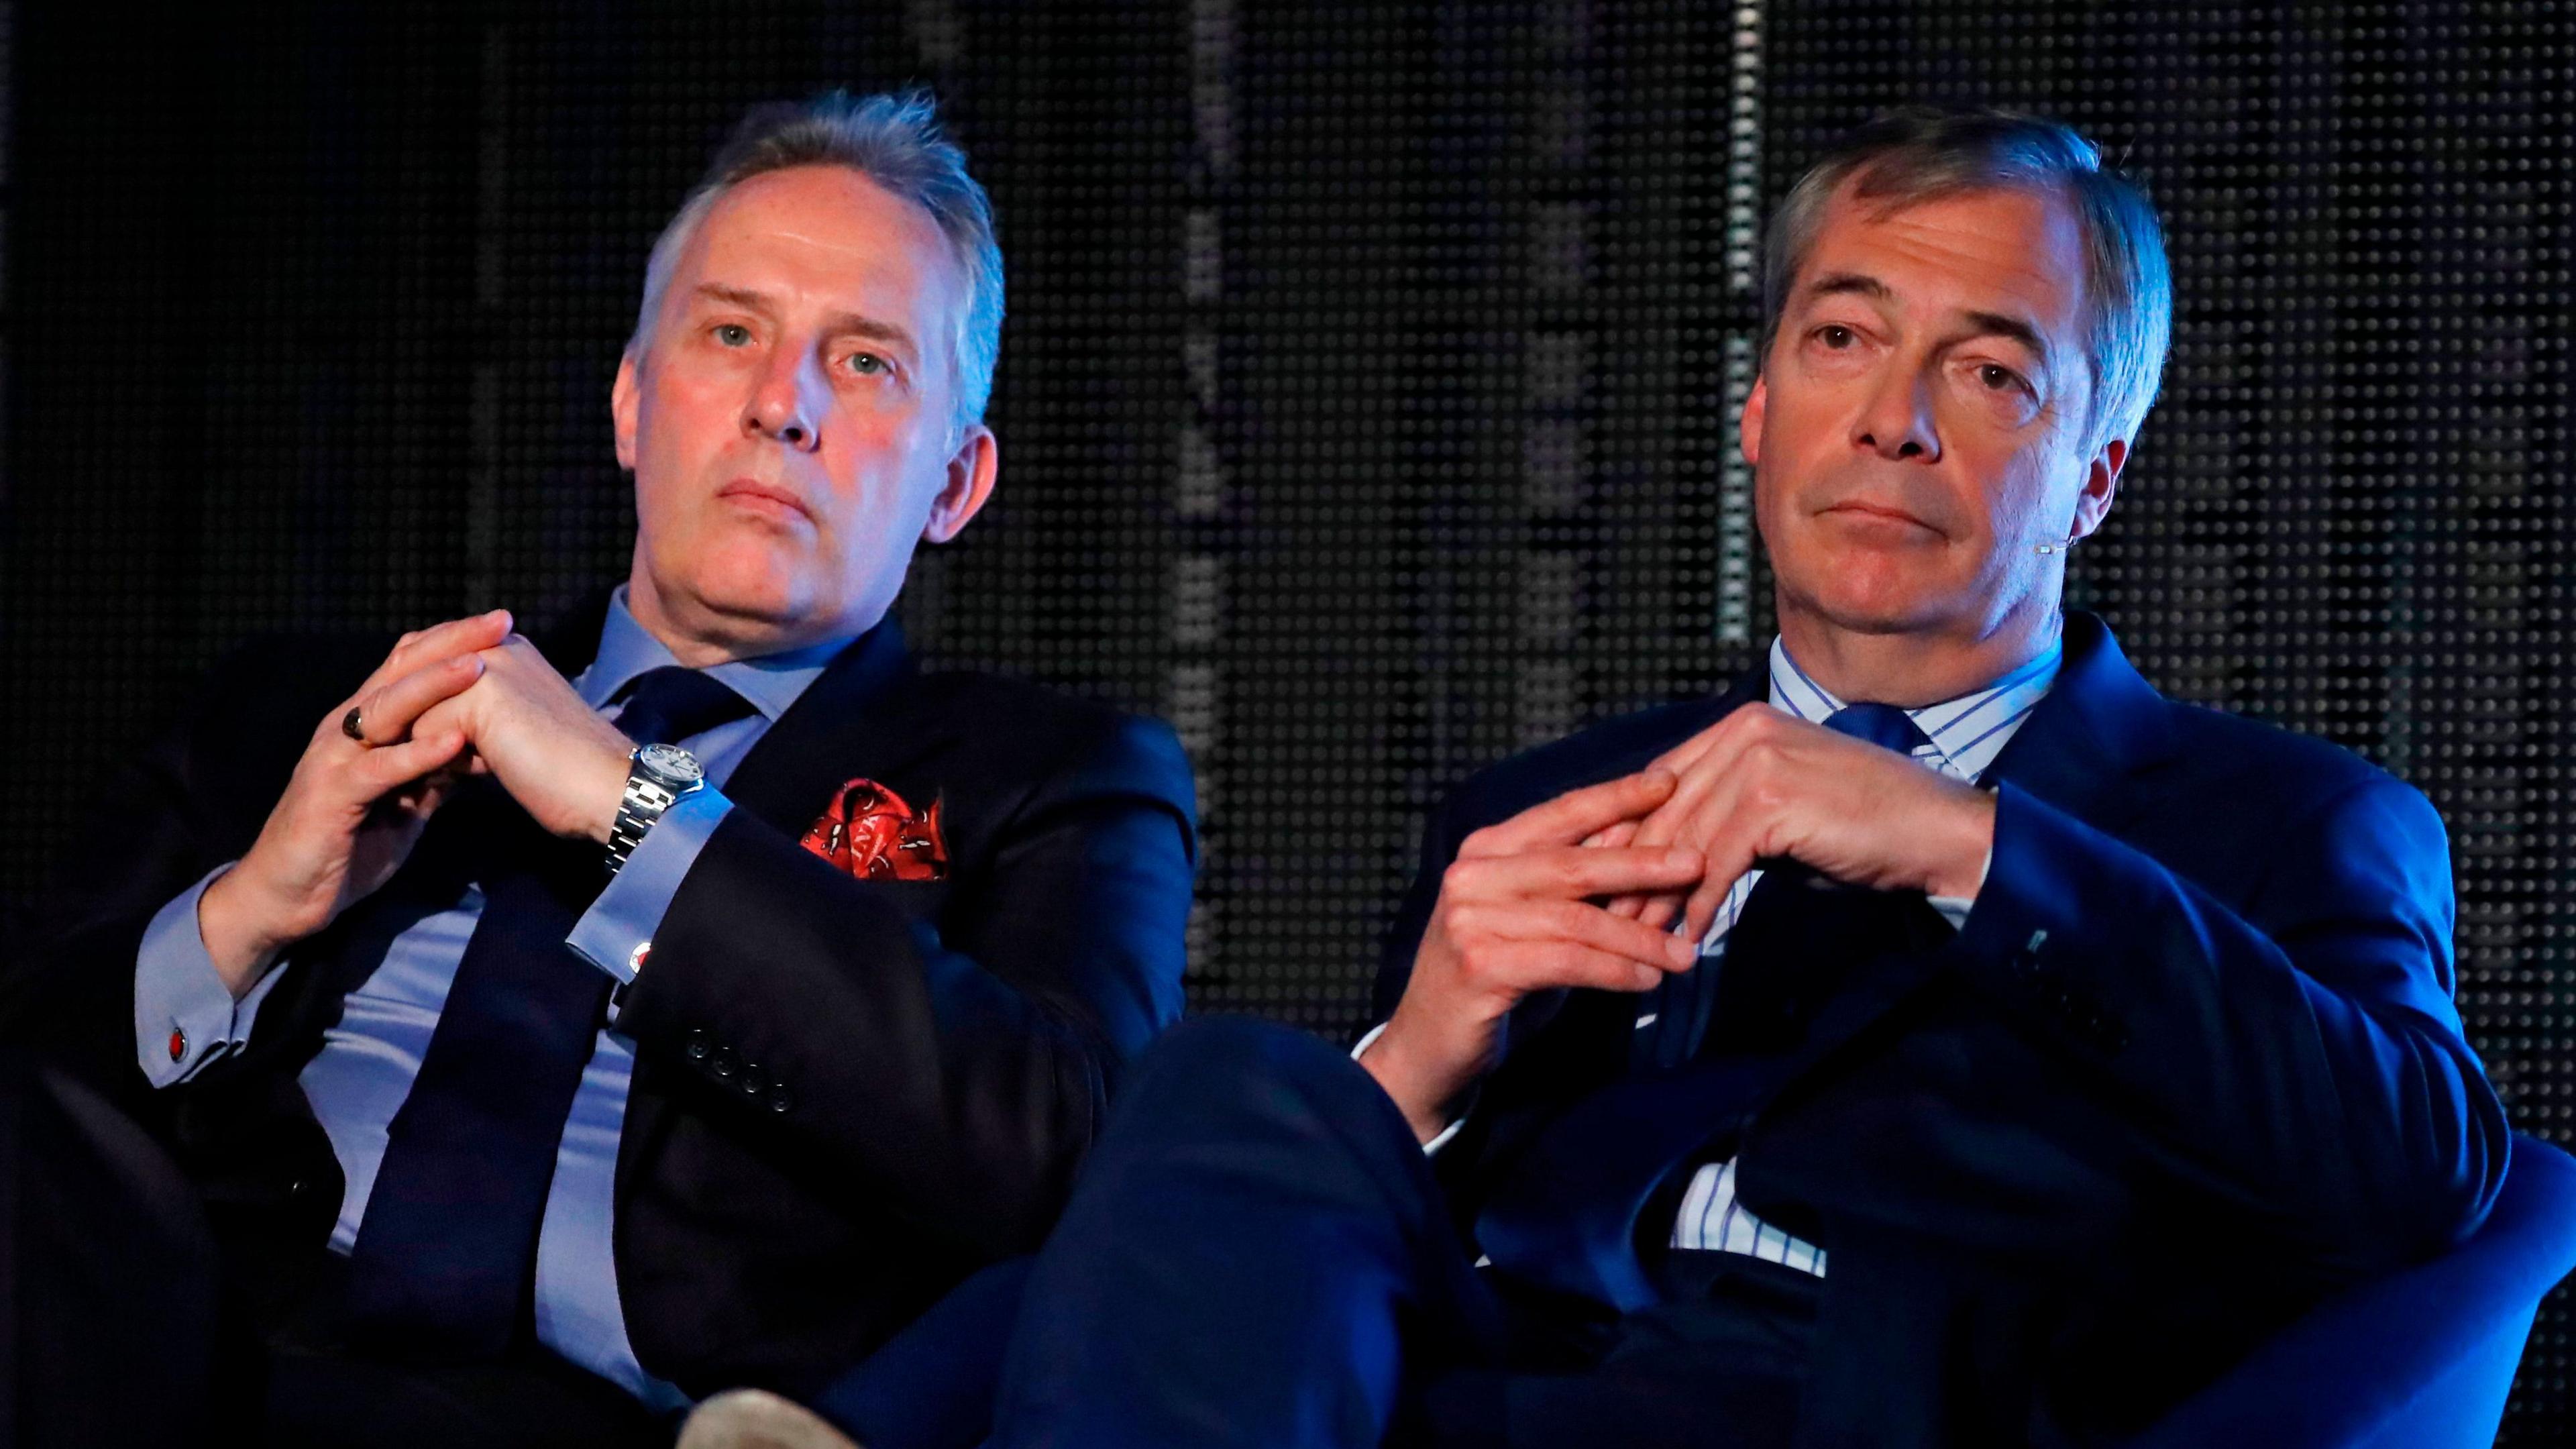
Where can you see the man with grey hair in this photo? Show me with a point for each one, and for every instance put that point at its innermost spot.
(568, 1030)
(1938, 1038)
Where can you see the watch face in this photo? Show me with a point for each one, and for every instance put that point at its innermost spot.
(673, 767)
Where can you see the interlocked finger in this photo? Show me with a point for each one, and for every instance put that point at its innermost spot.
(439, 641)
(1570, 872)
(1545, 965)
(1596, 929)
(393, 766)
(1572, 816)
(386, 715)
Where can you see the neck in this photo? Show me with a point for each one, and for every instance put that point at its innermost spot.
(701, 638)
(1912, 669)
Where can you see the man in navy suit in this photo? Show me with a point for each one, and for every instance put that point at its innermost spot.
(1938, 1039)
(520, 1039)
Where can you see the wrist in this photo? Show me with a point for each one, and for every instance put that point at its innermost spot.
(230, 924)
(1968, 850)
(606, 796)
(1422, 1079)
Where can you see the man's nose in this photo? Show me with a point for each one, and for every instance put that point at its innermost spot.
(785, 404)
(1897, 423)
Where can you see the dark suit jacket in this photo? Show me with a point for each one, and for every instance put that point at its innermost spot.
(933, 1056)
(2191, 1062)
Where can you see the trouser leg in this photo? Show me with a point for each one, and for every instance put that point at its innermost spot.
(932, 1385)
(1257, 1254)
(108, 1274)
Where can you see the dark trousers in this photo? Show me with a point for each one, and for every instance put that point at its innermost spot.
(1258, 1254)
(116, 1326)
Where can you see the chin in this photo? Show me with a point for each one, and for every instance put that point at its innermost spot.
(1879, 601)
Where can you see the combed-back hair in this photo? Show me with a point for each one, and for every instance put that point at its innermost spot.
(894, 140)
(1916, 154)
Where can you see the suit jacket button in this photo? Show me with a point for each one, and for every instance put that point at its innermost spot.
(754, 1081)
(724, 1064)
(779, 1101)
(696, 1046)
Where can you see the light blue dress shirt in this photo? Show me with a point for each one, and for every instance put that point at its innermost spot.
(184, 1017)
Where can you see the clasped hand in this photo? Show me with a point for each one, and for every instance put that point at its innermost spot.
(464, 697)
(1587, 889)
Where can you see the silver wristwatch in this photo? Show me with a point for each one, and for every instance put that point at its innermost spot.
(656, 776)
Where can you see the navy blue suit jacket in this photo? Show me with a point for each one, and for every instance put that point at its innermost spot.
(2191, 1063)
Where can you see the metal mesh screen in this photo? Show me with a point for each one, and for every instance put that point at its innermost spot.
(1367, 398)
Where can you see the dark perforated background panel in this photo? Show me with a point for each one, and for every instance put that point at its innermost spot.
(1367, 397)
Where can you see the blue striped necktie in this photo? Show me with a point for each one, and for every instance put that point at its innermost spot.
(1884, 725)
(445, 1260)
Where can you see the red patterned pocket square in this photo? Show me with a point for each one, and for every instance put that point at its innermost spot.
(871, 833)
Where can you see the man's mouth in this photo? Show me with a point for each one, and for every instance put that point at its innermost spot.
(1863, 508)
(766, 499)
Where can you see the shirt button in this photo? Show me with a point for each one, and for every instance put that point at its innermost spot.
(696, 1046)
(178, 1044)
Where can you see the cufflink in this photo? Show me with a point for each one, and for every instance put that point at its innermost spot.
(178, 1044)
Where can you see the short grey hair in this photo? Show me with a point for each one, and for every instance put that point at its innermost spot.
(896, 141)
(1917, 154)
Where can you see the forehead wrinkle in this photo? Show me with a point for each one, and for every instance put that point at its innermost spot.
(821, 243)
(1956, 249)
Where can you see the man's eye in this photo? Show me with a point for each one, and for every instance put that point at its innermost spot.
(867, 364)
(1997, 377)
(1836, 336)
(733, 334)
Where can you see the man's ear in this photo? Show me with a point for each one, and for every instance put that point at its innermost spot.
(968, 484)
(2101, 486)
(1748, 431)
(621, 411)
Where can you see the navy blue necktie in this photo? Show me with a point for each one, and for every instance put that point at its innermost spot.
(445, 1260)
(1884, 725)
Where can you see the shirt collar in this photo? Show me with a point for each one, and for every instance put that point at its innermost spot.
(1967, 732)
(627, 649)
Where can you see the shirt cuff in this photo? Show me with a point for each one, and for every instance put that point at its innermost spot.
(1954, 909)
(616, 933)
(1437, 1142)
(184, 1015)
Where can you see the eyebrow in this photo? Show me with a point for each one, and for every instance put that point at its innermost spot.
(840, 324)
(1987, 324)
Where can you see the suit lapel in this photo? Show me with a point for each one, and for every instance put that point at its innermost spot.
(2100, 726)
(840, 726)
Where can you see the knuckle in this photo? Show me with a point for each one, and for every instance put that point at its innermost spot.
(1766, 790)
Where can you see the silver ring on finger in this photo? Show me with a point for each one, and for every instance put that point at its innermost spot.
(349, 726)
